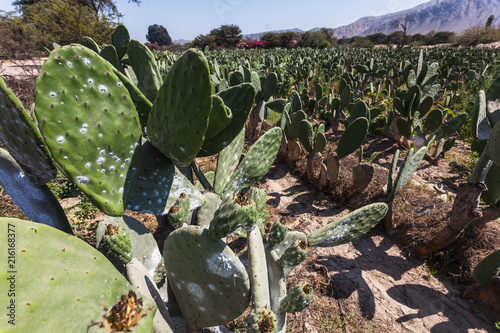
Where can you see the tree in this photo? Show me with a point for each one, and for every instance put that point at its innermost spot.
(490, 21)
(44, 22)
(98, 7)
(227, 35)
(158, 34)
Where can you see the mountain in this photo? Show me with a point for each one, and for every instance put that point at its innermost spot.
(437, 15)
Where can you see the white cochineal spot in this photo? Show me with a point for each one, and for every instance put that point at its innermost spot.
(82, 179)
(220, 265)
(195, 290)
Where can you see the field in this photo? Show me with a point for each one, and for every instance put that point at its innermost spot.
(407, 128)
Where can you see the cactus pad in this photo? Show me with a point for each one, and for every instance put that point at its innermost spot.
(145, 68)
(55, 263)
(159, 184)
(18, 136)
(209, 281)
(143, 244)
(179, 118)
(37, 202)
(349, 227)
(89, 125)
(257, 162)
(488, 268)
(299, 298)
(239, 100)
(353, 137)
(227, 161)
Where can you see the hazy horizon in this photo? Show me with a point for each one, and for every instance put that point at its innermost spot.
(186, 20)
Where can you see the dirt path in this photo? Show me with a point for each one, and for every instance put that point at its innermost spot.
(21, 68)
(388, 287)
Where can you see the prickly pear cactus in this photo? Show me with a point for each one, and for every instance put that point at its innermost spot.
(349, 227)
(116, 245)
(257, 161)
(299, 298)
(18, 134)
(159, 184)
(55, 267)
(210, 283)
(239, 100)
(143, 244)
(145, 68)
(488, 268)
(179, 118)
(37, 202)
(90, 125)
(227, 161)
(233, 213)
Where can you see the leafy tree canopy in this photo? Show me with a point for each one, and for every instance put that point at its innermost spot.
(158, 34)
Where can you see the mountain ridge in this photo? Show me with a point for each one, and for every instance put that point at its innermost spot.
(435, 15)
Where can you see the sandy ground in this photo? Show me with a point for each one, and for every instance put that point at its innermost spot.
(389, 286)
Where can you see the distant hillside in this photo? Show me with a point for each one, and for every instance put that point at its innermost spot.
(437, 15)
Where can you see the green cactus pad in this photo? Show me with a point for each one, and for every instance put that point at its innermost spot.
(90, 125)
(220, 118)
(488, 268)
(145, 68)
(141, 103)
(233, 213)
(120, 39)
(210, 283)
(57, 263)
(206, 212)
(239, 99)
(90, 43)
(278, 105)
(292, 129)
(277, 287)
(257, 162)
(159, 184)
(235, 78)
(492, 196)
(294, 254)
(179, 118)
(479, 126)
(353, 137)
(257, 268)
(259, 196)
(493, 102)
(294, 98)
(359, 109)
(433, 121)
(319, 141)
(108, 52)
(306, 135)
(404, 128)
(227, 161)
(262, 320)
(451, 126)
(144, 246)
(494, 144)
(410, 165)
(349, 227)
(270, 86)
(17, 133)
(277, 234)
(291, 238)
(37, 202)
(299, 298)
(178, 213)
(115, 244)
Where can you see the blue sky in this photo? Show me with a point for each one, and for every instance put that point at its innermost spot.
(189, 18)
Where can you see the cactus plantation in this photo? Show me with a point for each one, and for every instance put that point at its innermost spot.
(128, 128)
